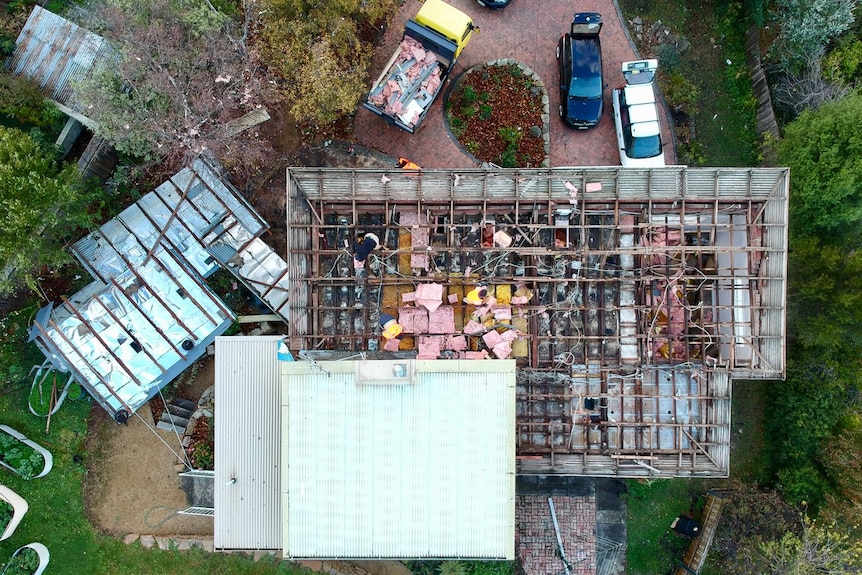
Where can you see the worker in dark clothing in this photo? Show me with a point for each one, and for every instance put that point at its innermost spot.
(362, 248)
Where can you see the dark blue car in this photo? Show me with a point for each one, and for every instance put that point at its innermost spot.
(579, 54)
(494, 4)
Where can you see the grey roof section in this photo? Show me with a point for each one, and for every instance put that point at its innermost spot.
(55, 53)
(247, 443)
(148, 315)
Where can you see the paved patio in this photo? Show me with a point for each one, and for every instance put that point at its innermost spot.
(591, 519)
(527, 30)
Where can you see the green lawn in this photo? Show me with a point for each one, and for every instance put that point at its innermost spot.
(56, 516)
(714, 62)
(652, 546)
(725, 136)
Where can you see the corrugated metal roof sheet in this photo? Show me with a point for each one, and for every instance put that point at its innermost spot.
(247, 443)
(55, 52)
(147, 264)
(399, 469)
(332, 462)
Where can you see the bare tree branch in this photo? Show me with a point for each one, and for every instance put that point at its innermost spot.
(808, 89)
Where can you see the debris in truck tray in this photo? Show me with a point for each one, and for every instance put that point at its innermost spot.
(414, 75)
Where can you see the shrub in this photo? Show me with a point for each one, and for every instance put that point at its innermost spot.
(485, 111)
(25, 562)
(668, 56)
(469, 96)
(807, 26)
(509, 158)
(202, 455)
(681, 94)
(510, 135)
(21, 100)
(6, 513)
(452, 568)
(22, 458)
(457, 125)
(40, 399)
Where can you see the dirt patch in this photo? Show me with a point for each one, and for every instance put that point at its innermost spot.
(193, 383)
(132, 486)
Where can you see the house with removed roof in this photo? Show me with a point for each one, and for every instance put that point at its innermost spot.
(621, 305)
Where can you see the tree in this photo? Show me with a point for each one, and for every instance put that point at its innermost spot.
(43, 204)
(818, 550)
(760, 533)
(805, 28)
(21, 100)
(842, 460)
(316, 48)
(823, 149)
(808, 89)
(182, 72)
(749, 518)
(825, 303)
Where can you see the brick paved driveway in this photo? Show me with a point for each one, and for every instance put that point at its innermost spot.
(527, 30)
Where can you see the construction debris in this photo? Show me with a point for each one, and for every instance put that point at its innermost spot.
(627, 298)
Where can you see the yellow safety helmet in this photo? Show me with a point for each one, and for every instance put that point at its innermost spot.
(477, 295)
(392, 329)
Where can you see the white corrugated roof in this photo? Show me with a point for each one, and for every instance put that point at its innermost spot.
(399, 469)
(247, 443)
(365, 465)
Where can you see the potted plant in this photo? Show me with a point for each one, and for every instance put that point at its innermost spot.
(31, 559)
(23, 456)
(12, 510)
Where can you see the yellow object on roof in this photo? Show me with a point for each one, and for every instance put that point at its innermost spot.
(477, 295)
(392, 329)
(446, 20)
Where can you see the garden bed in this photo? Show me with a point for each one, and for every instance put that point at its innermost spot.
(201, 449)
(12, 510)
(31, 559)
(498, 112)
(23, 456)
(45, 399)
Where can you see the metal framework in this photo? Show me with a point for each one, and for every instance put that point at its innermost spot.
(149, 314)
(635, 294)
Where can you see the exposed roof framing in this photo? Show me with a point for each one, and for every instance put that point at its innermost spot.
(646, 290)
(149, 314)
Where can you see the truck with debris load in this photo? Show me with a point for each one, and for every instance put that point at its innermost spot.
(414, 76)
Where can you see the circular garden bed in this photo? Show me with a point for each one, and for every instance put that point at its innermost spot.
(498, 112)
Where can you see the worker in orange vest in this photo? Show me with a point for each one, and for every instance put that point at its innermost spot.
(406, 164)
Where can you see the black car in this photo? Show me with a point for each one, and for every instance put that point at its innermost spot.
(579, 54)
(494, 4)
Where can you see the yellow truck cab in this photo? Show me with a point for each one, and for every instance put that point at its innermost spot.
(414, 76)
(447, 20)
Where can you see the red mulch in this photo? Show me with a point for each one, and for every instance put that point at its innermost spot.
(513, 104)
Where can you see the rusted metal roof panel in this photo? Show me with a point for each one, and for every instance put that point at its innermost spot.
(55, 53)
